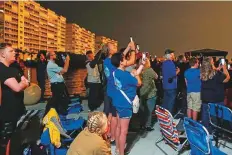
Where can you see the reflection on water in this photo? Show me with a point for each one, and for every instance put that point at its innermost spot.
(74, 80)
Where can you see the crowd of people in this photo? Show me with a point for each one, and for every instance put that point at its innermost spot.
(120, 79)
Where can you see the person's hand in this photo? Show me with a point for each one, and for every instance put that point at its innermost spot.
(131, 45)
(24, 81)
(178, 70)
(67, 58)
(23, 78)
(136, 50)
(134, 72)
(143, 62)
(224, 66)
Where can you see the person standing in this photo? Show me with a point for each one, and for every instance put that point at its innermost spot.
(94, 80)
(12, 86)
(169, 72)
(212, 87)
(147, 95)
(41, 73)
(126, 82)
(193, 83)
(58, 87)
(183, 65)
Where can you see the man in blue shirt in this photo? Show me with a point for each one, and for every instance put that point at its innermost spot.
(58, 88)
(169, 72)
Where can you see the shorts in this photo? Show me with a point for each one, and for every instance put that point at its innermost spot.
(108, 106)
(124, 113)
(194, 101)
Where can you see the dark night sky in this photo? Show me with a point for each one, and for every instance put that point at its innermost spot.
(182, 26)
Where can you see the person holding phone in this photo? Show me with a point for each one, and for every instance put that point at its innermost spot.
(147, 96)
(109, 68)
(212, 86)
(58, 87)
(228, 89)
(127, 83)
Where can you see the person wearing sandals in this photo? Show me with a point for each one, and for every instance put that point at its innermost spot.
(128, 83)
(147, 96)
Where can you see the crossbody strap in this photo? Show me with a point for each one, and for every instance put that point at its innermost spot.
(127, 98)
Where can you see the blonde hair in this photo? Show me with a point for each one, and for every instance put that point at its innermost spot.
(96, 122)
(207, 69)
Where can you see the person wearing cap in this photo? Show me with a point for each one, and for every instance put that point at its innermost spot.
(169, 72)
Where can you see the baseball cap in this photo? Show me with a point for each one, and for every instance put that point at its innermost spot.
(169, 51)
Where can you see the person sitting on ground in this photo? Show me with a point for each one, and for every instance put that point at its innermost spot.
(93, 139)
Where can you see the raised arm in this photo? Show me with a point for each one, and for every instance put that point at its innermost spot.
(225, 71)
(66, 65)
(96, 59)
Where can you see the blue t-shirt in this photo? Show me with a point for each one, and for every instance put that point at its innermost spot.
(169, 71)
(128, 84)
(108, 70)
(192, 75)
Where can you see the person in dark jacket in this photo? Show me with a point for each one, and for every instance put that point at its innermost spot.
(181, 85)
(41, 73)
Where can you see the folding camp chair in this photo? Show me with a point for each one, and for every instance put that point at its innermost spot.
(220, 120)
(199, 139)
(51, 149)
(168, 130)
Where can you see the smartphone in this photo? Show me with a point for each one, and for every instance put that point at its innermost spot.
(137, 47)
(223, 61)
(131, 39)
(144, 56)
(228, 66)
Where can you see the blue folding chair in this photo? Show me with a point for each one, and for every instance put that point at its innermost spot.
(71, 124)
(199, 139)
(76, 108)
(51, 149)
(220, 120)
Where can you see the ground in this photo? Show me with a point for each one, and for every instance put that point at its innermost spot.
(140, 144)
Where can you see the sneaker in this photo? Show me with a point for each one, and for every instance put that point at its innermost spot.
(116, 152)
(149, 128)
